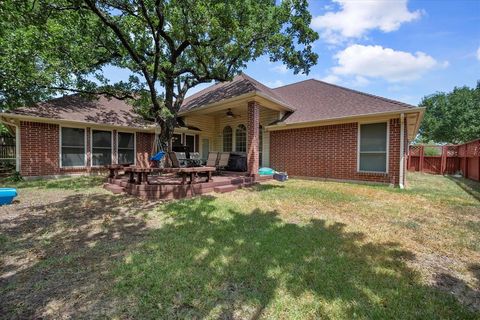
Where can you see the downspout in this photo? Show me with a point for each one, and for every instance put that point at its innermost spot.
(17, 148)
(402, 151)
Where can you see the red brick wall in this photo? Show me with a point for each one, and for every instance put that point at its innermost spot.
(253, 123)
(144, 145)
(329, 152)
(39, 150)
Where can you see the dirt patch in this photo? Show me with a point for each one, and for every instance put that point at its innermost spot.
(58, 247)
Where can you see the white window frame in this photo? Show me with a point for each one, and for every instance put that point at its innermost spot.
(387, 150)
(232, 140)
(91, 147)
(84, 147)
(234, 133)
(134, 146)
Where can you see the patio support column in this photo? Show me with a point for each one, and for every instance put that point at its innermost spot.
(253, 124)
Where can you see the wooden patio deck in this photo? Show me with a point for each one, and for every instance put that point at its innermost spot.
(168, 186)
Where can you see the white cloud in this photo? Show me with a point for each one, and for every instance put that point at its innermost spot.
(331, 78)
(360, 81)
(379, 62)
(478, 53)
(274, 84)
(355, 18)
(281, 68)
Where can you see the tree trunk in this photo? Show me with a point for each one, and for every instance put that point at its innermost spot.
(167, 128)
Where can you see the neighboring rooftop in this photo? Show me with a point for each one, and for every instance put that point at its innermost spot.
(93, 109)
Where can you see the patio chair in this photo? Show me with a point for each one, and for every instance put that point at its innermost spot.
(175, 162)
(212, 159)
(222, 164)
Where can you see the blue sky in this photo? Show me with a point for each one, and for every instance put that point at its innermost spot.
(398, 49)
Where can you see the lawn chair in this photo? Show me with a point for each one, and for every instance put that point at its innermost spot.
(175, 162)
(212, 159)
(223, 161)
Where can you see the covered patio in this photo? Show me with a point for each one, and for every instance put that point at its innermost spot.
(232, 117)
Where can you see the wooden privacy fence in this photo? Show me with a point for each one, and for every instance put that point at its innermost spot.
(449, 159)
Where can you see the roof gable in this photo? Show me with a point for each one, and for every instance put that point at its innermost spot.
(240, 85)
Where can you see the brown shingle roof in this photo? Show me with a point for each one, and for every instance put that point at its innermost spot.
(315, 100)
(239, 85)
(92, 109)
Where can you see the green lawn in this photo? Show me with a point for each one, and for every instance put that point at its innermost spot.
(300, 249)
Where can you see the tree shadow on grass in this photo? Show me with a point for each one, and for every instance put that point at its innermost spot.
(90, 256)
(469, 186)
(213, 262)
(55, 258)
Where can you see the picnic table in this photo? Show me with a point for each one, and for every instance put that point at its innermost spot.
(190, 172)
(114, 170)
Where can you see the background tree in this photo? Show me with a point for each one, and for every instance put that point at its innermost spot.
(168, 46)
(452, 117)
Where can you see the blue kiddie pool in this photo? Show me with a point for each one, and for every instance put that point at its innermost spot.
(7, 195)
(266, 171)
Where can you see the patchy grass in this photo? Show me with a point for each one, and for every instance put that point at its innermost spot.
(71, 183)
(300, 249)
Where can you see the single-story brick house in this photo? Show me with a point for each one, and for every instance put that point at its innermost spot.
(310, 129)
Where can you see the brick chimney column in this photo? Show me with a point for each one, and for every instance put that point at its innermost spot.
(253, 124)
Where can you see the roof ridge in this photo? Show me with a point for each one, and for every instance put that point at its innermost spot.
(351, 90)
(366, 94)
(293, 83)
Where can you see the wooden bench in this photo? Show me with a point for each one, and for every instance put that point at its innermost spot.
(191, 173)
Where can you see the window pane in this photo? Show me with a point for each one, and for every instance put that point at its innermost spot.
(73, 157)
(126, 156)
(373, 162)
(190, 143)
(101, 139)
(125, 140)
(73, 137)
(101, 157)
(241, 138)
(373, 137)
(177, 142)
(227, 139)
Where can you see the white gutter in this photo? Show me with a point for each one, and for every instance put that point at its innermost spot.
(326, 121)
(402, 150)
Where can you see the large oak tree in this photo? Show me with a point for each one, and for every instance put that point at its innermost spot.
(52, 46)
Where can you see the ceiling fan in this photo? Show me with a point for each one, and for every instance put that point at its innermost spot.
(230, 114)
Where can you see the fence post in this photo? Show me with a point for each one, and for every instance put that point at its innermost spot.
(408, 157)
(420, 165)
(443, 163)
